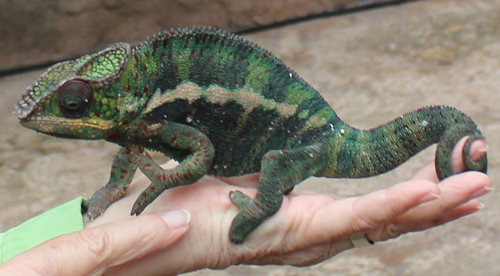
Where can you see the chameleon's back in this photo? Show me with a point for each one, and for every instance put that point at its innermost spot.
(242, 97)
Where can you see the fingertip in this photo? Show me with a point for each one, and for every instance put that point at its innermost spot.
(471, 184)
(478, 149)
(479, 177)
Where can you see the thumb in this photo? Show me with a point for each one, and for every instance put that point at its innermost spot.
(91, 251)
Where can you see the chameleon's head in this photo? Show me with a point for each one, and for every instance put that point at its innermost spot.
(73, 99)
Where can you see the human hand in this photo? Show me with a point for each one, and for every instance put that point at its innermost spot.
(91, 251)
(308, 229)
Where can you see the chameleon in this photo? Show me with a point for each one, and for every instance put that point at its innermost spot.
(223, 106)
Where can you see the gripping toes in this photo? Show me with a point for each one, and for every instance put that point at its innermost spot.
(240, 199)
(249, 218)
(101, 200)
(146, 197)
(122, 171)
(253, 213)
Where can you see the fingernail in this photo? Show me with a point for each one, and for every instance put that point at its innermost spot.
(482, 191)
(177, 218)
(483, 149)
(480, 206)
(428, 197)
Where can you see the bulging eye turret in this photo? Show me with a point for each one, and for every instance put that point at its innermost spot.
(75, 98)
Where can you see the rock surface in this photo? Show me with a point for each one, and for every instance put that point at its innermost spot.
(371, 67)
(38, 31)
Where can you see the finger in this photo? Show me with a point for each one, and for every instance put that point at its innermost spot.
(100, 247)
(401, 228)
(463, 210)
(456, 191)
(478, 149)
(427, 172)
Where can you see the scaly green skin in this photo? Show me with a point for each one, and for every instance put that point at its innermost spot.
(222, 106)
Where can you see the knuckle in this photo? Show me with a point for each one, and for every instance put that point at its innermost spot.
(390, 231)
(97, 241)
(361, 224)
(361, 220)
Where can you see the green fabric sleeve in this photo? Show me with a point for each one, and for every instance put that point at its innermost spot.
(61, 220)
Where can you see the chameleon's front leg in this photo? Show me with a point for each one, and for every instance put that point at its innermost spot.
(280, 171)
(122, 172)
(190, 170)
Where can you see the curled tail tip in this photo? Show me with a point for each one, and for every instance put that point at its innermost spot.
(473, 158)
(481, 162)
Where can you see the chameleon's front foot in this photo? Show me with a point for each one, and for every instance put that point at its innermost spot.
(142, 202)
(122, 171)
(249, 218)
(101, 200)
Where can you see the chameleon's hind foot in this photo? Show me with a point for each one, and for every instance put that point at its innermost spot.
(249, 218)
(240, 199)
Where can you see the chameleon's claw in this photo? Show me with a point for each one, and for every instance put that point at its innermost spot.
(95, 211)
(136, 211)
(92, 216)
(140, 204)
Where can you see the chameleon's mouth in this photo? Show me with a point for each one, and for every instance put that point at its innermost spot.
(94, 123)
(69, 128)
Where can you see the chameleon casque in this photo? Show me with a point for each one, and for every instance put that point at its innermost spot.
(222, 106)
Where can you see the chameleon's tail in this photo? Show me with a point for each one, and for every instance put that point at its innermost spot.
(367, 153)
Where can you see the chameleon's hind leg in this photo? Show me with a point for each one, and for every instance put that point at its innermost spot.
(280, 171)
(122, 172)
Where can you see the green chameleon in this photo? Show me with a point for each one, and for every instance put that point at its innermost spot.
(222, 106)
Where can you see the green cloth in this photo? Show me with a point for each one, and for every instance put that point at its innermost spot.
(61, 220)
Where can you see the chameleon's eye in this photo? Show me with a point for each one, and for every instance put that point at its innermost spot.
(75, 98)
